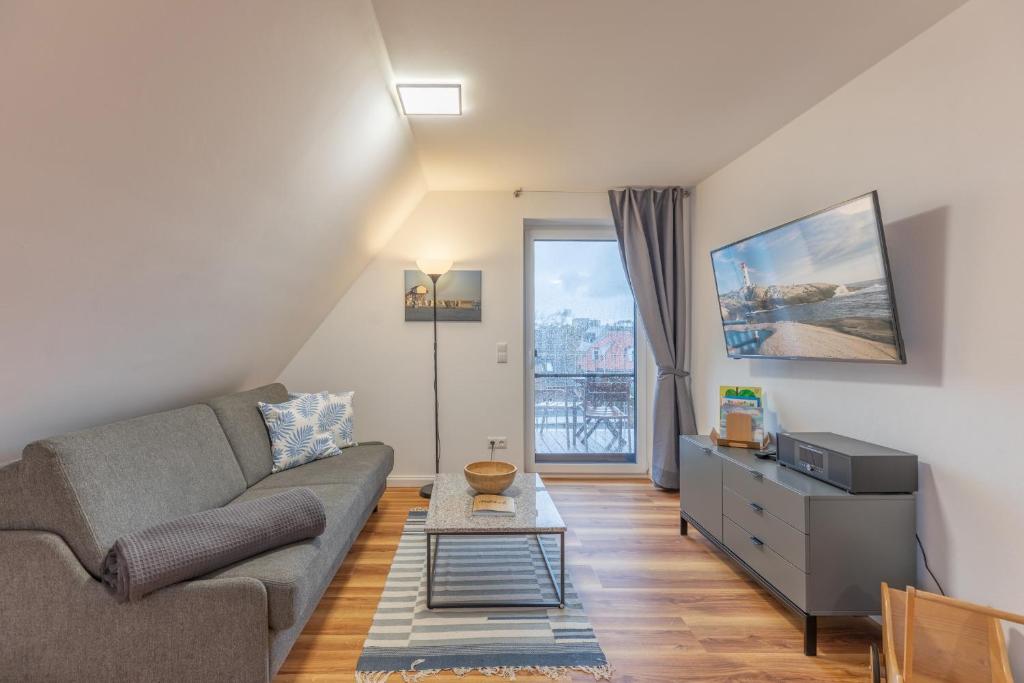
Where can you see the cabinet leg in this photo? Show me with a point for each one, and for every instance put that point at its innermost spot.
(810, 635)
(683, 526)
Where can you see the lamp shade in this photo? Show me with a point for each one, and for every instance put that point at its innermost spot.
(433, 266)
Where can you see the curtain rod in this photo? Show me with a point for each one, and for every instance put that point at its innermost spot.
(518, 192)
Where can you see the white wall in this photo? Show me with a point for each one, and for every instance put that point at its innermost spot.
(365, 345)
(936, 128)
(186, 189)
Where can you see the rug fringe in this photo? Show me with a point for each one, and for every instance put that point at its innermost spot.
(555, 673)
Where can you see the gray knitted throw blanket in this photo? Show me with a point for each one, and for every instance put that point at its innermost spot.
(168, 553)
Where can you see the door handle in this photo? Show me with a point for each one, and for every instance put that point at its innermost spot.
(756, 475)
(756, 541)
(707, 451)
(756, 508)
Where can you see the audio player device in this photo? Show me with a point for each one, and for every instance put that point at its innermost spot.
(852, 465)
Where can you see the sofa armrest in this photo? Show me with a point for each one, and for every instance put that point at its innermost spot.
(59, 623)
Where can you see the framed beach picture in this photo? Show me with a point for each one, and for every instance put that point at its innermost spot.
(458, 296)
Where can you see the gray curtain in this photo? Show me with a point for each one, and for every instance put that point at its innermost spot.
(654, 239)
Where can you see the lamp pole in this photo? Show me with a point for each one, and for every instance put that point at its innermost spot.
(428, 489)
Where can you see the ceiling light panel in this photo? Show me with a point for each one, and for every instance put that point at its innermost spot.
(431, 99)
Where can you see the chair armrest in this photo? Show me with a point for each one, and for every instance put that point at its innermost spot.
(59, 623)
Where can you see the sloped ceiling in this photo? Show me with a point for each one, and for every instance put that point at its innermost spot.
(590, 94)
(186, 189)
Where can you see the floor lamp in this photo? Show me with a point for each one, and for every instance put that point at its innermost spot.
(434, 269)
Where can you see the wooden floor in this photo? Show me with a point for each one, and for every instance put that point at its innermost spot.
(665, 607)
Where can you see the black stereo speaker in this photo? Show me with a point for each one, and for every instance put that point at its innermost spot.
(853, 465)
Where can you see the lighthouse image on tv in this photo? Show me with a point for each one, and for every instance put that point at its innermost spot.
(815, 288)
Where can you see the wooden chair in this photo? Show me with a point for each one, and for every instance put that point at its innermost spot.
(556, 398)
(928, 638)
(608, 403)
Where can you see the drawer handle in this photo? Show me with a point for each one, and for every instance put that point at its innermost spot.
(756, 475)
(756, 508)
(756, 541)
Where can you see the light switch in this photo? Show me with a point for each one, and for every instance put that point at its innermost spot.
(502, 352)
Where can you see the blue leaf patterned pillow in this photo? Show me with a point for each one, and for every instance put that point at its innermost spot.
(307, 428)
(336, 416)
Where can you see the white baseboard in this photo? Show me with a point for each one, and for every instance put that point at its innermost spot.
(409, 480)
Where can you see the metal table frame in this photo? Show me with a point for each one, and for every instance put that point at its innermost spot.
(433, 548)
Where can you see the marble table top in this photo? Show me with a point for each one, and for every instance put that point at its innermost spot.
(451, 508)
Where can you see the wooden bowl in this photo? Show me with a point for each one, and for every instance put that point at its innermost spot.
(490, 476)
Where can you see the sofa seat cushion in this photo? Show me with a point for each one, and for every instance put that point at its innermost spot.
(296, 574)
(348, 485)
(366, 466)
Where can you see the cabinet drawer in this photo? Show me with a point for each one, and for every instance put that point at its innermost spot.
(776, 499)
(700, 486)
(786, 578)
(779, 536)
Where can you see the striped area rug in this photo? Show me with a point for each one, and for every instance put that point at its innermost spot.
(413, 642)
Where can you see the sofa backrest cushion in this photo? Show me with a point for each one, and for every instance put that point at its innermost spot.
(92, 487)
(242, 421)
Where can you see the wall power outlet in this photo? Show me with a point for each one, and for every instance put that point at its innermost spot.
(499, 442)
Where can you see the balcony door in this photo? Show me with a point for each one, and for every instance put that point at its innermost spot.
(586, 383)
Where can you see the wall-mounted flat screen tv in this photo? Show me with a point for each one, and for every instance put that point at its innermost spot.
(817, 288)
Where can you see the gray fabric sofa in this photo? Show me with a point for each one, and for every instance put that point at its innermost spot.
(69, 498)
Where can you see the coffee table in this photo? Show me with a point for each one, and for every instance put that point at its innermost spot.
(451, 514)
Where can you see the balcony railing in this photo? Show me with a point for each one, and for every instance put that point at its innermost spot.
(585, 416)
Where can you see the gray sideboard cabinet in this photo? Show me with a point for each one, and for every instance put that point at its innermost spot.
(818, 549)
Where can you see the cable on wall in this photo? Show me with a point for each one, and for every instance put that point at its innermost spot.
(924, 555)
